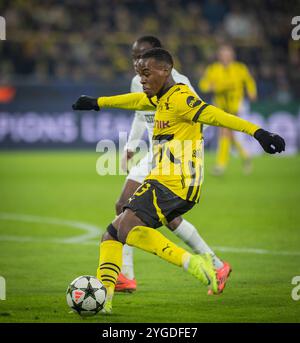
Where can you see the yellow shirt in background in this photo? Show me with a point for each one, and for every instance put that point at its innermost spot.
(228, 85)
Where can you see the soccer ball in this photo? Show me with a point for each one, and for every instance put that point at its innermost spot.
(86, 295)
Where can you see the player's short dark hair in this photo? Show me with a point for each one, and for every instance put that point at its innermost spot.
(160, 55)
(155, 42)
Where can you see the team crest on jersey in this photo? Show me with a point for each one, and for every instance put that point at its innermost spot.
(193, 101)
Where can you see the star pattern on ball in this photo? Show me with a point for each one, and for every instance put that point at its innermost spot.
(89, 290)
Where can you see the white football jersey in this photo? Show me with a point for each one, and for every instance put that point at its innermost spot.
(145, 119)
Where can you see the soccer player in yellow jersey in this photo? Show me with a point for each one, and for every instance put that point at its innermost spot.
(228, 80)
(182, 228)
(173, 186)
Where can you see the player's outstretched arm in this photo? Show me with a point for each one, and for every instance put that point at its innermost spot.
(130, 101)
(212, 115)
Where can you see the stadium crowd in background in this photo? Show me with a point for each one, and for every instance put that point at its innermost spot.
(78, 40)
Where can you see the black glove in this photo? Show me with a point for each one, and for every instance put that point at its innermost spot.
(85, 102)
(270, 142)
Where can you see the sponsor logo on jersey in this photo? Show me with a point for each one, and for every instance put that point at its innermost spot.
(161, 124)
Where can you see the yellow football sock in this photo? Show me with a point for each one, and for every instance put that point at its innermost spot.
(240, 149)
(150, 240)
(110, 262)
(223, 151)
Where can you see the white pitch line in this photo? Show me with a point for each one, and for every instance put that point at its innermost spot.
(94, 232)
(91, 230)
(31, 239)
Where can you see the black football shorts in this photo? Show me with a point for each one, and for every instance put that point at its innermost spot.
(156, 205)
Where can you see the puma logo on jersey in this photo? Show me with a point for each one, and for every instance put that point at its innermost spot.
(161, 124)
(166, 248)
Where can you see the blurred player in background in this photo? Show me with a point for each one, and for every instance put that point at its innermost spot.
(228, 79)
(144, 120)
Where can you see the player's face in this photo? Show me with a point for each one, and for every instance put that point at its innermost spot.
(153, 75)
(137, 50)
(226, 55)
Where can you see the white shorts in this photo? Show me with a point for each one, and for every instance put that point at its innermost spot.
(141, 169)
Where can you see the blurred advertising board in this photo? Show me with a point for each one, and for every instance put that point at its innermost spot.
(41, 117)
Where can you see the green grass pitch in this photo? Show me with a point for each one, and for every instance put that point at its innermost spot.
(251, 221)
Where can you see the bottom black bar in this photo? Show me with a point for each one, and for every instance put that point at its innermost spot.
(146, 332)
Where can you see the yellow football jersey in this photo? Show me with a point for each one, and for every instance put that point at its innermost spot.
(177, 135)
(229, 84)
(177, 143)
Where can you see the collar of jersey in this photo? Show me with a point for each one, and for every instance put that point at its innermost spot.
(168, 90)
